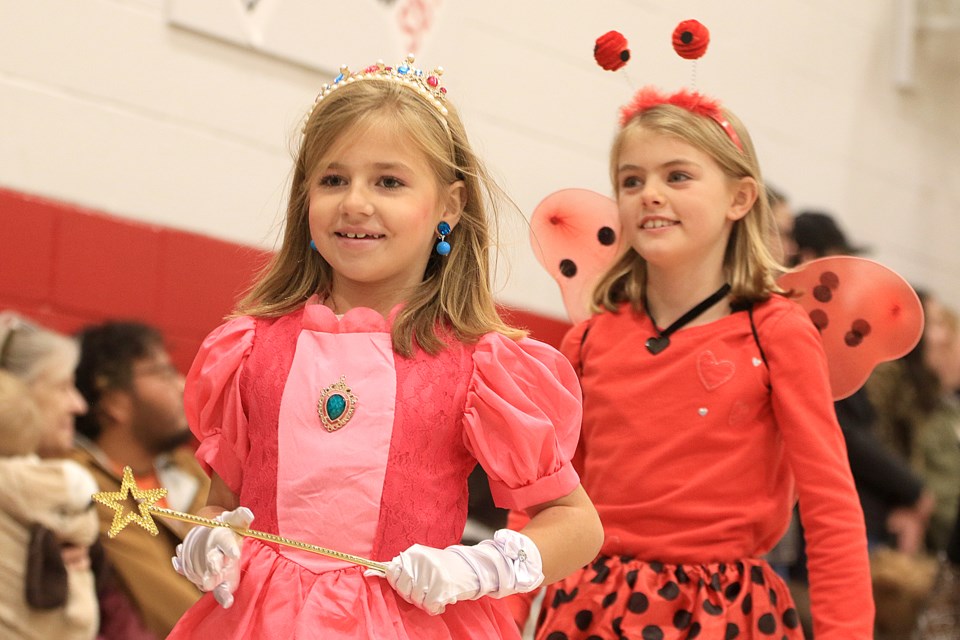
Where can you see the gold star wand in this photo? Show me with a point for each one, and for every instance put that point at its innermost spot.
(147, 498)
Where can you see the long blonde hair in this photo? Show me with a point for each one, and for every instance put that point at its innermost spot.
(455, 294)
(749, 265)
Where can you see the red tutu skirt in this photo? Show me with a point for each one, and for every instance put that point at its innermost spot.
(622, 598)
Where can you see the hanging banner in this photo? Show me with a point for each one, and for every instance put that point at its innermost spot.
(315, 33)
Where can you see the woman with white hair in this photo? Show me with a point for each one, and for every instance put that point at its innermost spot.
(47, 523)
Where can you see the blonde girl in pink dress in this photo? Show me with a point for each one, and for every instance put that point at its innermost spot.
(359, 383)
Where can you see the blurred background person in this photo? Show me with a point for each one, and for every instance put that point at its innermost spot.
(816, 234)
(940, 618)
(918, 416)
(47, 525)
(942, 355)
(783, 247)
(136, 419)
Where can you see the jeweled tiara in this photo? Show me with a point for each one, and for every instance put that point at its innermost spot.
(427, 84)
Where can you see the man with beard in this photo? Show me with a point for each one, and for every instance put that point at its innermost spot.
(136, 419)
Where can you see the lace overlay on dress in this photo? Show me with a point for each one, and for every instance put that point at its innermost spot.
(261, 387)
(424, 491)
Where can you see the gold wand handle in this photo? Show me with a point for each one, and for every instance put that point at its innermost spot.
(145, 499)
(269, 537)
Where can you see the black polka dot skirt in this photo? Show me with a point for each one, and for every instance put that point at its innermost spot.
(620, 598)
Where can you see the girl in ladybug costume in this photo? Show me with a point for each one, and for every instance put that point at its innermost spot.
(707, 407)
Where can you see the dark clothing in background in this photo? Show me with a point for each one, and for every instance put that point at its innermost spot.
(884, 480)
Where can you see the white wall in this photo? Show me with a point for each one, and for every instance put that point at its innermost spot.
(105, 104)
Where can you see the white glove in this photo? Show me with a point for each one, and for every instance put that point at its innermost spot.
(432, 578)
(210, 557)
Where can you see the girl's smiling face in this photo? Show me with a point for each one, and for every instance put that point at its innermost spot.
(374, 207)
(676, 204)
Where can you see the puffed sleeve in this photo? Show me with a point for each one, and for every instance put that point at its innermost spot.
(212, 400)
(522, 420)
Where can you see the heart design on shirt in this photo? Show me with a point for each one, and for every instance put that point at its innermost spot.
(739, 414)
(713, 372)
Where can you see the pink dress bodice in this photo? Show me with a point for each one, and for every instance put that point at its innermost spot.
(394, 475)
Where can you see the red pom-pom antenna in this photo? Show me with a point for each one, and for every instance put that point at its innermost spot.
(690, 39)
(611, 51)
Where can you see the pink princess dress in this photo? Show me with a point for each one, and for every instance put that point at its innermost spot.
(393, 475)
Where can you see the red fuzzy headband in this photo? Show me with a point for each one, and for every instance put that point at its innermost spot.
(649, 97)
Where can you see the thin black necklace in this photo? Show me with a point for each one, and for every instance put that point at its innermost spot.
(661, 341)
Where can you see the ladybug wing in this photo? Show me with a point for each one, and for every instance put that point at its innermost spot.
(865, 312)
(575, 235)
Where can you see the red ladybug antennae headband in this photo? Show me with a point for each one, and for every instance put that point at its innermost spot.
(690, 40)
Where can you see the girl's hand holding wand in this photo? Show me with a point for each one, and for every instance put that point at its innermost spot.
(431, 578)
(210, 557)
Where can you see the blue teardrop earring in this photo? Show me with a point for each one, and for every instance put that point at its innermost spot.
(313, 245)
(443, 247)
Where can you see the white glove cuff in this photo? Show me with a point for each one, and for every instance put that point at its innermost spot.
(508, 564)
(524, 557)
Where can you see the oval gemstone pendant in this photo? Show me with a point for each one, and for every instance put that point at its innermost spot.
(336, 405)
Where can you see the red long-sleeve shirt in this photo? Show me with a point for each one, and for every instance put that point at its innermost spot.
(696, 454)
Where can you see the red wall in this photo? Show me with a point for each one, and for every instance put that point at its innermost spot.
(65, 267)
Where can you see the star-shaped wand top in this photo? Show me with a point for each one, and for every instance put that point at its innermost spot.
(117, 500)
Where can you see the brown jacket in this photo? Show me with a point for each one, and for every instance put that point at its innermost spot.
(140, 561)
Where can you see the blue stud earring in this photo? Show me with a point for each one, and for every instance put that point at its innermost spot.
(313, 245)
(443, 247)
